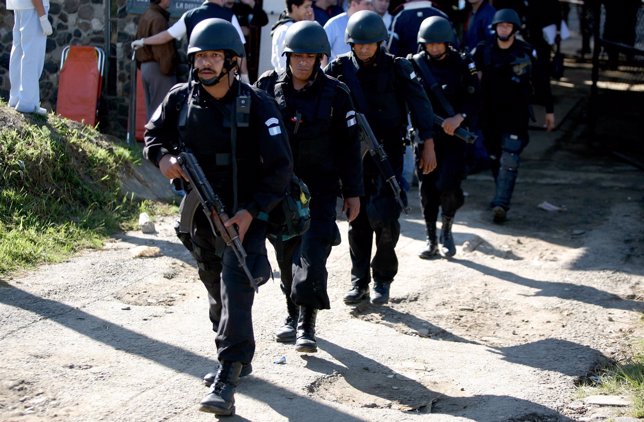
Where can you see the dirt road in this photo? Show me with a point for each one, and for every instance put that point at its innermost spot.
(499, 333)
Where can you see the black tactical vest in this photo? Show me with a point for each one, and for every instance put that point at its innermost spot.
(377, 94)
(205, 130)
(309, 127)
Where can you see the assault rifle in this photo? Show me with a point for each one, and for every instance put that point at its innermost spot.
(380, 158)
(429, 80)
(460, 132)
(215, 212)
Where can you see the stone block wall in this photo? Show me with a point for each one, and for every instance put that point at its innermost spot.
(82, 22)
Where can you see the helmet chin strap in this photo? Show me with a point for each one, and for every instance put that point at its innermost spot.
(229, 65)
(507, 37)
(316, 66)
(371, 59)
(440, 56)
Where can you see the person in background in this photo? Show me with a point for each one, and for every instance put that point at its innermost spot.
(31, 28)
(478, 23)
(451, 83)
(406, 24)
(381, 7)
(509, 73)
(323, 10)
(184, 26)
(157, 62)
(585, 14)
(620, 26)
(335, 28)
(383, 88)
(249, 13)
(296, 10)
(251, 18)
(539, 14)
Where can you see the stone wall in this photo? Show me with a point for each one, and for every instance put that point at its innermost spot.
(82, 22)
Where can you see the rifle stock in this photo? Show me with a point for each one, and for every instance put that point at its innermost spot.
(215, 211)
(460, 132)
(380, 158)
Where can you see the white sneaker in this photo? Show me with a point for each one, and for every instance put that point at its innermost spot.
(37, 110)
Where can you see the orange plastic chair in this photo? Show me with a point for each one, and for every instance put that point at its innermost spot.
(141, 109)
(80, 83)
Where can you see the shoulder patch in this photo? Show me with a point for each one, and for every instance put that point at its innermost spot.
(273, 125)
(471, 67)
(351, 118)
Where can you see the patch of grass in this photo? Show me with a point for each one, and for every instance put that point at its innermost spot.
(59, 189)
(625, 379)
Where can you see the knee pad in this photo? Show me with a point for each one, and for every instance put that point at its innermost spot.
(509, 161)
(513, 143)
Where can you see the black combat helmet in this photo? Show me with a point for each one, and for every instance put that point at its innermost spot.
(509, 16)
(365, 27)
(215, 34)
(306, 37)
(435, 29)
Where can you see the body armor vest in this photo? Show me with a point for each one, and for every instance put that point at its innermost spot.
(309, 128)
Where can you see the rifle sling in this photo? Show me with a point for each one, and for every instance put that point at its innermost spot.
(433, 84)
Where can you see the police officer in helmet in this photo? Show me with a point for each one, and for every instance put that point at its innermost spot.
(249, 172)
(510, 74)
(451, 83)
(321, 124)
(383, 87)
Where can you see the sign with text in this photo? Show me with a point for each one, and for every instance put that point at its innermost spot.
(177, 7)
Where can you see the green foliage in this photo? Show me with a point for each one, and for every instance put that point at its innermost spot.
(59, 189)
(625, 379)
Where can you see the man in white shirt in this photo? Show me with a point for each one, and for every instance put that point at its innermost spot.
(381, 7)
(183, 27)
(296, 10)
(337, 25)
(30, 30)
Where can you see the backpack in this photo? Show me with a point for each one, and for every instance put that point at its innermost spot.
(292, 216)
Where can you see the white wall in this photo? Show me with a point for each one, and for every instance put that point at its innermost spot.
(273, 8)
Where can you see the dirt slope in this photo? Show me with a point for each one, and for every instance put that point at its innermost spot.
(501, 332)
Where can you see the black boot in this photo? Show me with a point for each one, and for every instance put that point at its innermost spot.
(209, 378)
(221, 399)
(356, 295)
(447, 240)
(305, 342)
(380, 293)
(431, 251)
(499, 214)
(286, 333)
